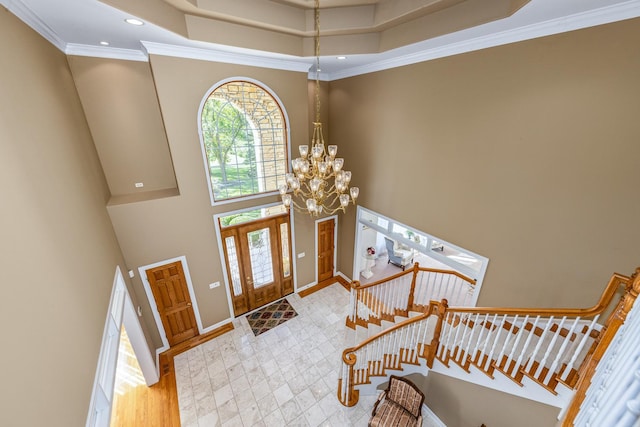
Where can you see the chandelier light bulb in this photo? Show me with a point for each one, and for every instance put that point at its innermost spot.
(286, 199)
(344, 200)
(333, 150)
(347, 177)
(355, 191)
(304, 151)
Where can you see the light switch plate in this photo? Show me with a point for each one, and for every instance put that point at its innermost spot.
(214, 285)
(301, 255)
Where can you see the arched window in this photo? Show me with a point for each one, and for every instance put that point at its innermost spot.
(244, 136)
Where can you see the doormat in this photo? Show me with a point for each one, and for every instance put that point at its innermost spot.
(270, 316)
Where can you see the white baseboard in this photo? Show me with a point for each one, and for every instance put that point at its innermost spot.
(428, 413)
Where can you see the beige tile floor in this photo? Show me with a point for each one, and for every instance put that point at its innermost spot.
(284, 377)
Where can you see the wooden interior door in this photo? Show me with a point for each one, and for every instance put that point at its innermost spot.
(325, 249)
(169, 287)
(258, 260)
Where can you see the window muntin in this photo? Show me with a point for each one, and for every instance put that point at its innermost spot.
(244, 135)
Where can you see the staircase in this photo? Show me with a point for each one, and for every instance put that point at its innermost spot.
(543, 355)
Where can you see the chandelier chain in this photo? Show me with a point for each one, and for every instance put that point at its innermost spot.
(318, 181)
(317, 53)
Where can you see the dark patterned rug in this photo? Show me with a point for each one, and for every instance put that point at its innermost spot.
(271, 316)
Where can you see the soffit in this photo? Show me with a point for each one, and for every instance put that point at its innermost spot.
(347, 27)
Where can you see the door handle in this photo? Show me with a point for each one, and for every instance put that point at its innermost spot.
(188, 304)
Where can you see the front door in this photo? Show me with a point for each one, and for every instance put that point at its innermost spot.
(258, 259)
(325, 249)
(169, 287)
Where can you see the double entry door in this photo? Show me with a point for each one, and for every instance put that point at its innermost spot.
(258, 260)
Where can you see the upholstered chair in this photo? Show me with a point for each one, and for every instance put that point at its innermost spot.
(397, 256)
(399, 405)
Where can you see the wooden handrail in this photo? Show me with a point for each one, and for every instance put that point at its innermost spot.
(603, 303)
(433, 306)
(357, 285)
(616, 319)
(632, 286)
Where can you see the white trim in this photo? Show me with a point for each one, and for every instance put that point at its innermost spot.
(335, 234)
(477, 275)
(105, 52)
(435, 421)
(225, 273)
(218, 55)
(143, 354)
(27, 16)
(204, 151)
(592, 18)
(152, 301)
(307, 286)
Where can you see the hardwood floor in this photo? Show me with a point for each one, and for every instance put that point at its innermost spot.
(157, 406)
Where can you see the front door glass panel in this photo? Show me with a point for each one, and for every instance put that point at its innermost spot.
(261, 257)
(234, 267)
(284, 237)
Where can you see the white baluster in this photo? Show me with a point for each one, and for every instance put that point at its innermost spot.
(490, 339)
(543, 362)
(482, 327)
(519, 335)
(559, 355)
(578, 349)
(507, 340)
(527, 342)
(476, 326)
(496, 339)
(539, 343)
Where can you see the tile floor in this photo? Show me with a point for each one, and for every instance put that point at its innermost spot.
(284, 377)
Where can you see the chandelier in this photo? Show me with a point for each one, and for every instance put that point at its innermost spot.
(318, 183)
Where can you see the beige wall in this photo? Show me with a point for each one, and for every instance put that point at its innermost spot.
(156, 230)
(462, 404)
(525, 153)
(59, 251)
(121, 106)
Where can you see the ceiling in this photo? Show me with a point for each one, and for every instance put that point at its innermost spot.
(372, 34)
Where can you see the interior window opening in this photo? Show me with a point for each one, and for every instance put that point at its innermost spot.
(378, 236)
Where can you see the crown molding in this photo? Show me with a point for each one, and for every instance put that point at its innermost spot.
(440, 47)
(106, 52)
(27, 16)
(253, 60)
(605, 15)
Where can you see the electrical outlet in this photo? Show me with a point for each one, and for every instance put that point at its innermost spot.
(131, 274)
(301, 255)
(214, 285)
(139, 184)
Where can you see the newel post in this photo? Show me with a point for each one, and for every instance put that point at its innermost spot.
(416, 269)
(441, 311)
(615, 320)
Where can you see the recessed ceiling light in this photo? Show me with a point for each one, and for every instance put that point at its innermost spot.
(133, 21)
(341, 57)
(104, 43)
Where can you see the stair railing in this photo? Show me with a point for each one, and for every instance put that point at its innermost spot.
(403, 343)
(410, 290)
(548, 346)
(609, 385)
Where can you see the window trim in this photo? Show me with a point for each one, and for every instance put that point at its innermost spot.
(357, 258)
(205, 159)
